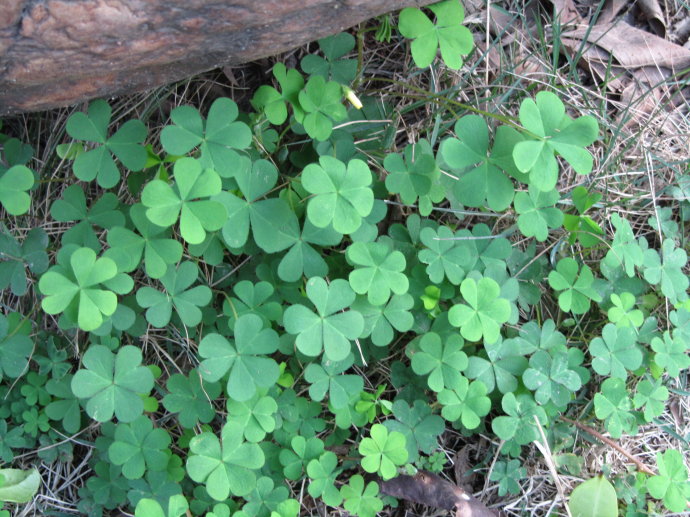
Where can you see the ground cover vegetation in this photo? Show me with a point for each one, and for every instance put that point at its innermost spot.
(275, 310)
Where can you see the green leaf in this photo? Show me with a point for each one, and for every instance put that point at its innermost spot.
(328, 330)
(252, 298)
(139, 448)
(448, 33)
(274, 224)
(420, 428)
(176, 507)
(552, 131)
(504, 362)
(112, 383)
(551, 378)
(125, 144)
(621, 313)
(303, 259)
(671, 353)
(31, 253)
(380, 322)
(328, 378)
(576, 287)
(178, 294)
(616, 352)
(14, 183)
(613, 406)
(537, 212)
(652, 396)
(671, 485)
(76, 288)
(333, 66)
(412, 174)
(484, 313)
(508, 474)
(245, 359)
(165, 203)
(255, 415)
(15, 345)
(305, 450)
(466, 402)
(191, 398)
(383, 452)
(595, 497)
(19, 486)
(443, 361)
(217, 137)
(322, 472)
(65, 407)
(378, 271)
(359, 500)
(321, 102)
(483, 183)
(444, 256)
(342, 194)
(518, 423)
(273, 102)
(625, 251)
(225, 466)
(668, 270)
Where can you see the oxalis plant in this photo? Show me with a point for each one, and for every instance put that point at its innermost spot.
(253, 314)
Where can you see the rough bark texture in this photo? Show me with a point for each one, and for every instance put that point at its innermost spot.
(59, 52)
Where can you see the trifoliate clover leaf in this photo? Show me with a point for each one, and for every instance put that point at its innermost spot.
(448, 33)
(378, 271)
(444, 256)
(383, 452)
(333, 66)
(225, 466)
(15, 258)
(256, 416)
(302, 259)
(245, 359)
(342, 194)
(273, 102)
(671, 353)
(623, 313)
(671, 485)
(483, 183)
(667, 270)
(662, 221)
(508, 474)
(615, 352)
(322, 472)
(139, 447)
(77, 288)
(178, 294)
(505, 361)
(443, 360)
(321, 102)
(127, 247)
(411, 175)
(465, 401)
(176, 507)
(125, 144)
(72, 207)
(518, 423)
(381, 321)
(328, 378)
(575, 286)
(217, 137)
(265, 498)
(625, 251)
(552, 131)
(359, 500)
(191, 398)
(328, 330)
(255, 299)
(484, 312)
(14, 182)
(420, 427)
(303, 451)
(613, 405)
(551, 378)
(652, 396)
(65, 407)
(112, 383)
(186, 200)
(537, 212)
(274, 224)
(15, 345)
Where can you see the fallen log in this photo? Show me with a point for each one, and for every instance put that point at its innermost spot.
(59, 52)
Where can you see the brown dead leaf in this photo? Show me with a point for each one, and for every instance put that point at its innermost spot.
(651, 11)
(431, 490)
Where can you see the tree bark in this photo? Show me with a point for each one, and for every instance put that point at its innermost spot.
(58, 52)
